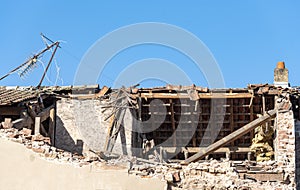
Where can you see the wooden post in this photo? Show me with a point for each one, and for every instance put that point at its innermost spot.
(263, 104)
(264, 109)
(194, 124)
(37, 125)
(52, 126)
(231, 118)
(173, 122)
(251, 119)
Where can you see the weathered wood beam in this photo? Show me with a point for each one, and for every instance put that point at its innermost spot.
(170, 95)
(31, 112)
(10, 110)
(18, 123)
(109, 131)
(173, 122)
(45, 114)
(37, 126)
(102, 91)
(201, 95)
(231, 137)
(118, 121)
(219, 150)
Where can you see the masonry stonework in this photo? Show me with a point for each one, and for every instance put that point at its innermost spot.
(81, 125)
(297, 134)
(284, 144)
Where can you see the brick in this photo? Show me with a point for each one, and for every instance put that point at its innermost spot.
(176, 177)
(38, 150)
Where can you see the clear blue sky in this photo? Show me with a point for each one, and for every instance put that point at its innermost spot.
(247, 38)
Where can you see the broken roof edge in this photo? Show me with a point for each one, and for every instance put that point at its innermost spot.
(167, 87)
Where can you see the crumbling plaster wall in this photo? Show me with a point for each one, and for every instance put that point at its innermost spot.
(80, 126)
(25, 169)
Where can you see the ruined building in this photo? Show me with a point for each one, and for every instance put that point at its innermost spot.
(164, 125)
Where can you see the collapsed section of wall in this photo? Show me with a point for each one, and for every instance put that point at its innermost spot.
(25, 169)
(82, 125)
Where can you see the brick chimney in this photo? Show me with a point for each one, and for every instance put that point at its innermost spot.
(281, 75)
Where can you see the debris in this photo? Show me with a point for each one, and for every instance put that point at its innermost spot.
(261, 143)
(211, 174)
(7, 123)
(176, 177)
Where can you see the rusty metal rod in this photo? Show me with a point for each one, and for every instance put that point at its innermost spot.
(52, 56)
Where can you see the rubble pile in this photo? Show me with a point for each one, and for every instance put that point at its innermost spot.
(41, 145)
(210, 174)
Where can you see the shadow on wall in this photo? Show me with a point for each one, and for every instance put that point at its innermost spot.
(63, 139)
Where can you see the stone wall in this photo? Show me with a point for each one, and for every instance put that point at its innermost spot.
(80, 126)
(284, 144)
(297, 134)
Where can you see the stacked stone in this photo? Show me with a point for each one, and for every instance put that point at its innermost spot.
(284, 144)
(297, 135)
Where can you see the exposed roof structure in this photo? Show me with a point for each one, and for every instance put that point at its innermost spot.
(13, 95)
(9, 96)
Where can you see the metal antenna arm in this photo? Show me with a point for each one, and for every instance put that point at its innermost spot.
(52, 56)
(35, 56)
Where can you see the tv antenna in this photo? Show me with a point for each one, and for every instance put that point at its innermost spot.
(31, 63)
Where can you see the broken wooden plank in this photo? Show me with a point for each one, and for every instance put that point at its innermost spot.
(231, 137)
(102, 91)
(109, 132)
(118, 121)
(19, 123)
